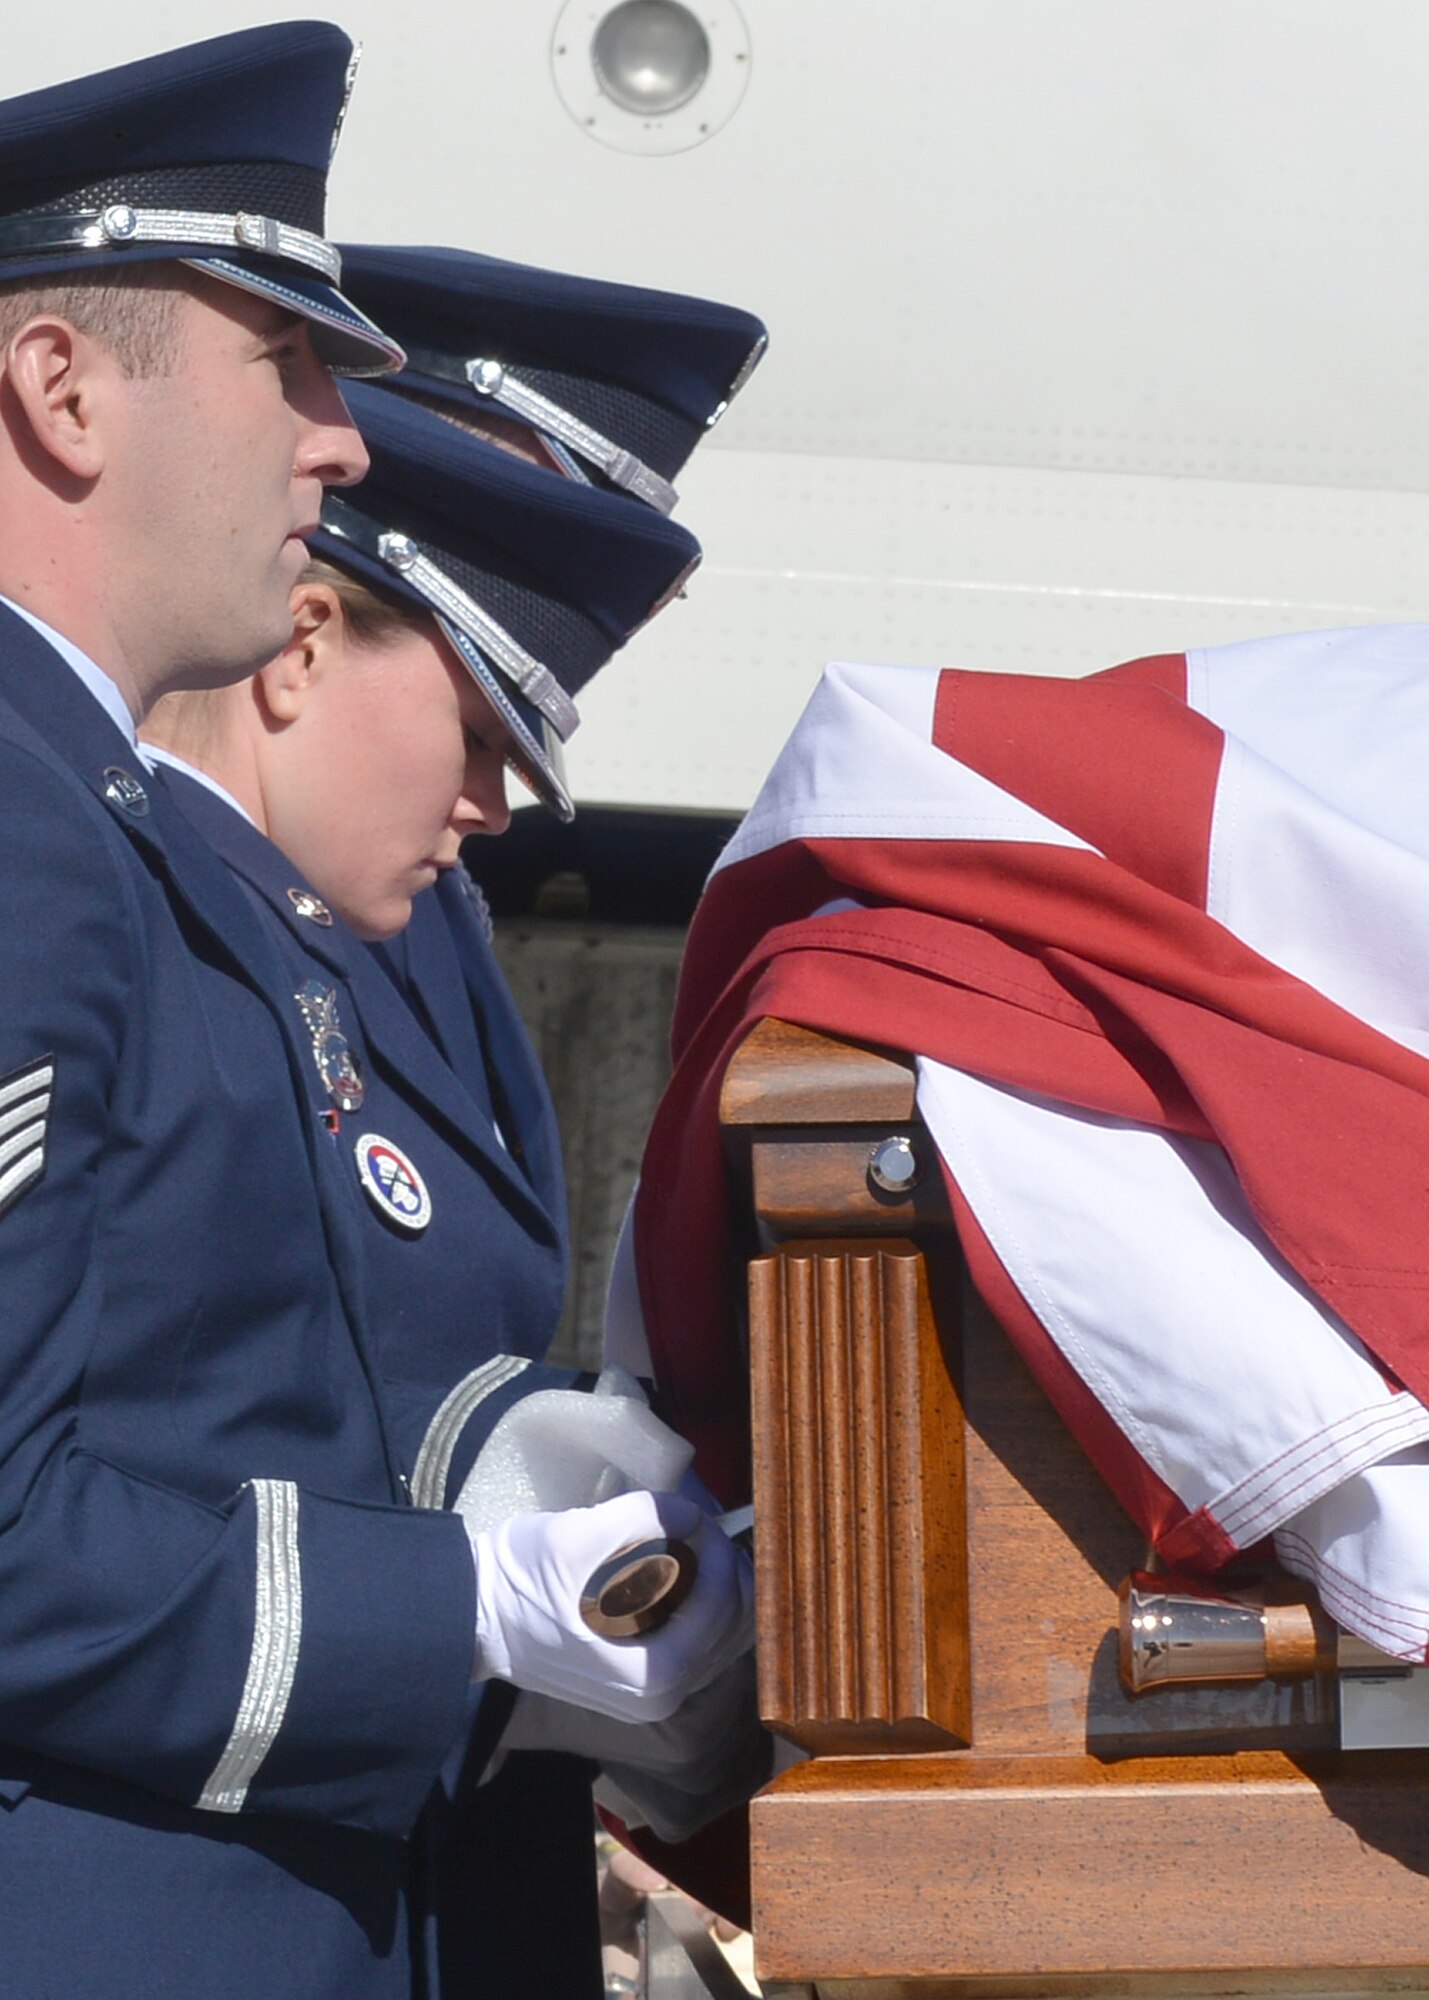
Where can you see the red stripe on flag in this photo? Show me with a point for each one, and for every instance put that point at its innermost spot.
(1039, 740)
(1166, 671)
(1161, 1016)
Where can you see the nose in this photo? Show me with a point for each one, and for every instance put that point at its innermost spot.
(329, 447)
(482, 807)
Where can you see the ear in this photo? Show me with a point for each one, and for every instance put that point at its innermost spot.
(286, 686)
(57, 375)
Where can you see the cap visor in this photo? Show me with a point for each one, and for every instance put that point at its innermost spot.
(343, 337)
(536, 749)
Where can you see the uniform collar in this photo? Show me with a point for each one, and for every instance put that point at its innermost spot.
(157, 754)
(100, 685)
(249, 854)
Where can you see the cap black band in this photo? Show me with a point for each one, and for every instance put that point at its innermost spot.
(293, 194)
(492, 382)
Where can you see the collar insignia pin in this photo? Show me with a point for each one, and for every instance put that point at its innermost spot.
(310, 906)
(337, 1065)
(122, 788)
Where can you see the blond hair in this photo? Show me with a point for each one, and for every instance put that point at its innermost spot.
(374, 617)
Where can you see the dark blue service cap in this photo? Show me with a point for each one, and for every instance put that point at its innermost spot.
(215, 155)
(535, 581)
(621, 382)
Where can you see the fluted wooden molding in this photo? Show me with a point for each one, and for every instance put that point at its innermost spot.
(859, 1502)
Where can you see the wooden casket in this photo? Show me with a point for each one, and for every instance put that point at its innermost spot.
(985, 1811)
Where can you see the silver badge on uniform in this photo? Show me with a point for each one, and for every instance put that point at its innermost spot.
(395, 1187)
(122, 788)
(310, 906)
(337, 1065)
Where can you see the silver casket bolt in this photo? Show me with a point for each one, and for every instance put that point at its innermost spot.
(893, 1166)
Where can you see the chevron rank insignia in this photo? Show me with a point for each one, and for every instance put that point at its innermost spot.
(24, 1122)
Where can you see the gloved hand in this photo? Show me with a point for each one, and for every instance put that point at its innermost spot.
(671, 1776)
(530, 1572)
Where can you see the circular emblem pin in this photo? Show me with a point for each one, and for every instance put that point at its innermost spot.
(396, 1188)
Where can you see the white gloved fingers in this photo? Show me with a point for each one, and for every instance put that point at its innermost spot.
(711, 1754)
(671, 1776)
(530, 1572)
(713, 1626)
(692, 1746)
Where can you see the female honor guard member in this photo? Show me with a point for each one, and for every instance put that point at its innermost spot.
(233, 1655)
(611, 385)
(337, 785)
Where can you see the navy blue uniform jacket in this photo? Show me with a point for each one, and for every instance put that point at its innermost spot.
(501, 1884)
(233, 1654)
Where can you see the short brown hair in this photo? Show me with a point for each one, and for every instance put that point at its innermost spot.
(134, 312)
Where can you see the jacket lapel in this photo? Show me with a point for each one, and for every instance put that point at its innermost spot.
(50, 697)
(429, 977)
(446, 969)
(52, 701)
(394, 1039)
(528, 1103)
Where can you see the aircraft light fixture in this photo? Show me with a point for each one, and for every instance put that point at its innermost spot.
(650, 56)
(651, 76)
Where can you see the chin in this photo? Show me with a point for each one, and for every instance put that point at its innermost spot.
(377, 925)
(242, 655)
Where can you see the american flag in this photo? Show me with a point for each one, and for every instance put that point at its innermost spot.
(1159, 940)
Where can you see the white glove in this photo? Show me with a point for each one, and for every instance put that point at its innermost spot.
(530, 1572)
(671, 1776)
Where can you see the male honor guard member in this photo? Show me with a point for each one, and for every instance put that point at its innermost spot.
(233, 1655)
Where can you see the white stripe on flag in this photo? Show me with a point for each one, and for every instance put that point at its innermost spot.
(862, 766)
(1140, 1258)
(1364, 1548)
(1320, 843)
